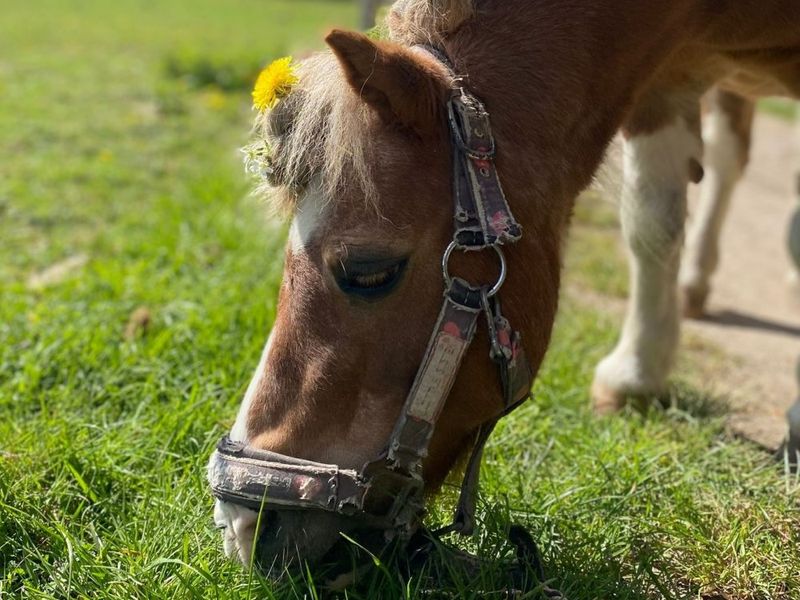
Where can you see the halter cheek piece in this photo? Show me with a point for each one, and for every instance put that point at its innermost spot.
(387, 493)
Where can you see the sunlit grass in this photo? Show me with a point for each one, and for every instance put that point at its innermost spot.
(109, 154)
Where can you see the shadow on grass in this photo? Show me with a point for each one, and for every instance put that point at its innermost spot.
(679, 400)
(486, 566)
(682, 399)
(732, 318)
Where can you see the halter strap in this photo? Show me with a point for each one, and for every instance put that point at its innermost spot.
(483, 217)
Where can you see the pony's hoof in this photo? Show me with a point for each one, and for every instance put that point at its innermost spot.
(606, 400)
(693, 302)
(609, 401)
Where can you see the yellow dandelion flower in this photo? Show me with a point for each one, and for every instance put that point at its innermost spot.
(274, 83)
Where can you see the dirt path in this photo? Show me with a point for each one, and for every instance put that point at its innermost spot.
(754, 309)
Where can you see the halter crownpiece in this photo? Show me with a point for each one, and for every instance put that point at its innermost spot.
(388, 492)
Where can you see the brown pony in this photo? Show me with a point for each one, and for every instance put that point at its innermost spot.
(362, 158)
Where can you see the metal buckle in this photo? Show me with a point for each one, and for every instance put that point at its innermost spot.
(391, 496)
(492, 312)
(458, 127)
(501, 279)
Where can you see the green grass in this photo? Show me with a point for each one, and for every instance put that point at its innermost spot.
(596, 259)
(778, 107)
(119, 139)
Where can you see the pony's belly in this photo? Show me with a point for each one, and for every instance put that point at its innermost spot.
(759, 74)
(754, 85)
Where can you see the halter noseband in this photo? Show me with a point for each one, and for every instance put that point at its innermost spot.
(387, 493)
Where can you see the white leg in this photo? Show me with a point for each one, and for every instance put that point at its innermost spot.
(653, 211)
(793, 416)
(794, 227)
(793, 439)
(726, 139)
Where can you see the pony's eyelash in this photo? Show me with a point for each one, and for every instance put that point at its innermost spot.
(370, 280)
(374, 279)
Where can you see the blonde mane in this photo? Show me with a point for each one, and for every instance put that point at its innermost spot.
(426, 21)
(319, 129)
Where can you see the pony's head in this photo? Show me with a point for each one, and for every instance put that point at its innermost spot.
(360, 154)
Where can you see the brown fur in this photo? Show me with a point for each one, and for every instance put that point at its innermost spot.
(559, 78)
(399, 86)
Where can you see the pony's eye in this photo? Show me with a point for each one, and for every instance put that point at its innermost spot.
(369, 279)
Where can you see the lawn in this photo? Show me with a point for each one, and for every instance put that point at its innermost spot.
(122, 193)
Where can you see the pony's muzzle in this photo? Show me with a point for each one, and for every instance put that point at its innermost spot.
(289, 540)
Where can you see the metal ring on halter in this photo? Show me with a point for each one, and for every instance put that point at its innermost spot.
(500, 280)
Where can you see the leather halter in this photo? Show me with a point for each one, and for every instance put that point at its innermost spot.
(387, 493)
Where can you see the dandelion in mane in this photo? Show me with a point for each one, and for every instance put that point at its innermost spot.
(274, 83)
(311, 124)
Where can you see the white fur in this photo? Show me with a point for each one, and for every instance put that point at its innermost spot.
(238, 524)
(653, 210)
(793, 416)
(793, 437)
(723, 168)
(309, 215)
(239, 430)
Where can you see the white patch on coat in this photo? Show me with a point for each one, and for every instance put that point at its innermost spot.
(723, 167)
(239, 430)
(309, 215)
(793, 437)
(723, 147)
(656, 177)
(793, 416)
(653, 211)
(238, 525)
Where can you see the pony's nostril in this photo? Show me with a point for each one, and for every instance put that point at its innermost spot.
(270, 524)
(286, 536)
(269, 516)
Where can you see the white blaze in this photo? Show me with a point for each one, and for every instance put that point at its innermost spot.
(239, 523)
(239, 431)
(308, 216)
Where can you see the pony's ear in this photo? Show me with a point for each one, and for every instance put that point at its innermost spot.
(399, 84)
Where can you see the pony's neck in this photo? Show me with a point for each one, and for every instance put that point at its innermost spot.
(559, 78)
